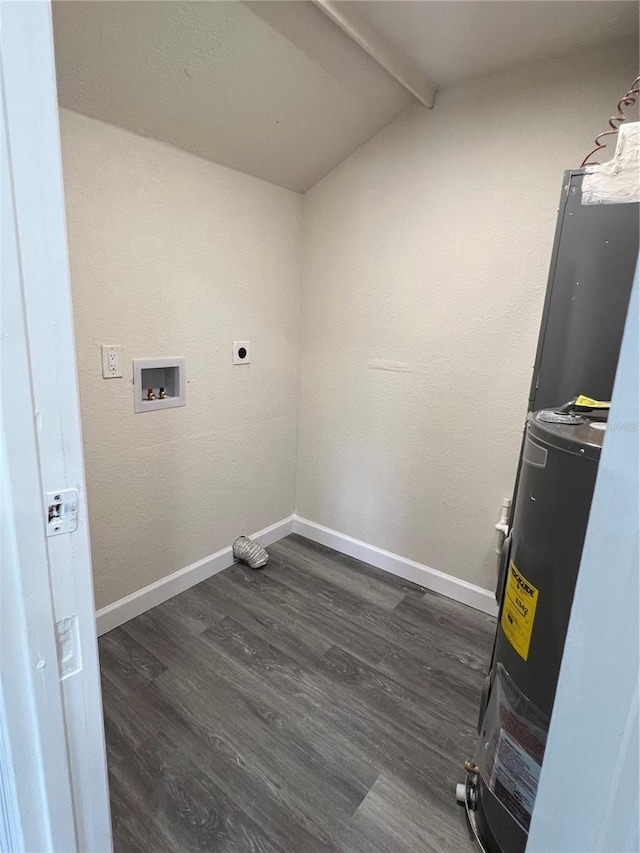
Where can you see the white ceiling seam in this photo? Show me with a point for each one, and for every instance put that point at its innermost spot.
(399, 66)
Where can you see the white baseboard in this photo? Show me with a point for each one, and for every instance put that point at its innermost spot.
(144, 599)
(156, 593)
(458, 590)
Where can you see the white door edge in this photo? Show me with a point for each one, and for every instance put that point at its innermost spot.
(42, 448)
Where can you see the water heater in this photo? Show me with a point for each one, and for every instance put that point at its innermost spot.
(536, 586)
(588, 290)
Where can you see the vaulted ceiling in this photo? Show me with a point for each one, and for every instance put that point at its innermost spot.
(286, 90)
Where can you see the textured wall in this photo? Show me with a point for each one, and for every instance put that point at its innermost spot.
(425, 265)
(173, 255)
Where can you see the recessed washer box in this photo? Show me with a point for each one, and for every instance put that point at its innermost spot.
(157, 374)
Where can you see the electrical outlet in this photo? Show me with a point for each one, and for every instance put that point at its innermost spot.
(241, 352)
(111, 361)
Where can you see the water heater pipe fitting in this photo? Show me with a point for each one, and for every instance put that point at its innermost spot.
(502, 525)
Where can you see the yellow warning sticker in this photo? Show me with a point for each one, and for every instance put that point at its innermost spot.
(591, 403)
(519, 610)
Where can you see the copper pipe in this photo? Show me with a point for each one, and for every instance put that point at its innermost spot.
(627, 100)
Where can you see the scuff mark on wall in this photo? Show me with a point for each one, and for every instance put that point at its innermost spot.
(392, 366)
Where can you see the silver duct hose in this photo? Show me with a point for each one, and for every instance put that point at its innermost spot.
(249, 552)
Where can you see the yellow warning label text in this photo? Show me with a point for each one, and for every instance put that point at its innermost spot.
(591, 403)
(519, 610)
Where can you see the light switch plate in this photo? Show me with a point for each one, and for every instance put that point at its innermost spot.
(242, 352)
(111, 361)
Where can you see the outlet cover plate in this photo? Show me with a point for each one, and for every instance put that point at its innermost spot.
(111, 361)
(242, 352)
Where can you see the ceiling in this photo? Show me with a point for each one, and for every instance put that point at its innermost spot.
(286, 90)
(456, 41)
(221, 81)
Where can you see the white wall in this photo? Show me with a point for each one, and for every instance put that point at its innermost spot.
(174, 255)
(425, 265)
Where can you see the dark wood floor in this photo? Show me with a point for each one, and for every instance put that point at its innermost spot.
(316, 705)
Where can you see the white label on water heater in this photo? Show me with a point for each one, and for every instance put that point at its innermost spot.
(514, 780)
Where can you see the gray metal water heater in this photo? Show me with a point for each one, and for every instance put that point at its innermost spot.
(536, 586)
(590, 279)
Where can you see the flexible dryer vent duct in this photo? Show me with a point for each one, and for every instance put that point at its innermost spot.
(249, 552)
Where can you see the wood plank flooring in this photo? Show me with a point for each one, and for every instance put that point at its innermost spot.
(315, 705)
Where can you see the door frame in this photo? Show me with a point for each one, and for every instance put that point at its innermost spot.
(51, 729)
